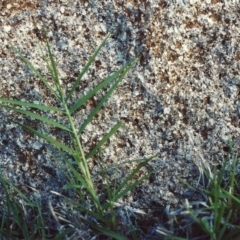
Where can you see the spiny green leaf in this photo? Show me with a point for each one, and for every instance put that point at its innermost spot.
(86, 68)
(36, 116)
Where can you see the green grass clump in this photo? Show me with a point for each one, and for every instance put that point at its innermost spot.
(222, 211)
(218, 216)
(24, 219)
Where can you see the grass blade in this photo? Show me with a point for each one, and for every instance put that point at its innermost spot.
(132, 174)
(86, 68)
(53, 64)
(104, 83)
(223, 228)
(103, 140)
(237, 199)
(78, 177)
(41, 220)
(14, 208)
(111, 194)
(75, 178)
(6, 182)
(47, 138)
(84, 183)
(106, 96)
(130, 187)
(34, 70)
(31, 105)
(3, 220)
(79, 206)
(50, 67)
(124, 187)
(36, 116)
(54, 72)
(69, 174)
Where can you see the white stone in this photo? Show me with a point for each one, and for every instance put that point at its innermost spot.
(7, 28)
(37, 145)
(103, 27)
(167, 110)
(62, 9)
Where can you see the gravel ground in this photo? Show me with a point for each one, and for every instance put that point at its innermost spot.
(185, 86)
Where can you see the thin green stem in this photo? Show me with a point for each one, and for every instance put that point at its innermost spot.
(82, 160)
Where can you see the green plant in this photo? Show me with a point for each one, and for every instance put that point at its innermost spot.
(15, 219)
(216, 213)
(80, 179)
(222, 217)
(218, 216)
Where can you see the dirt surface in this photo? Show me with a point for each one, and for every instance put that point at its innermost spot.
(185, 83)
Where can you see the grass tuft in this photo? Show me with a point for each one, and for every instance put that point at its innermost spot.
(87, 207)
(215, 218)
